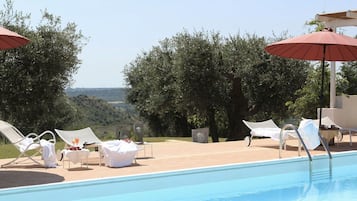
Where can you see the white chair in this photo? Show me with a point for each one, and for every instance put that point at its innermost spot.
(111, 152)
(87, 139)
(30, 142)
(266, 129)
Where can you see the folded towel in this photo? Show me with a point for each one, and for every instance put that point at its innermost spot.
(48, 153)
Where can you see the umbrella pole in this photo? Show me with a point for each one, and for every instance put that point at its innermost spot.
(322, 85)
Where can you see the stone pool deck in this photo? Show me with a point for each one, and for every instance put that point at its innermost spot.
(167, 156)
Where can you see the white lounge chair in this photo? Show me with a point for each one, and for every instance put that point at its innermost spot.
(30, 142)
(269, 129)
(266, 129)
(309, 134)
(87, 139)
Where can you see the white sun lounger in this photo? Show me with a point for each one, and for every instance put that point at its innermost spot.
(269, 129)
(114, 153)
(38, 144)
(266, 129)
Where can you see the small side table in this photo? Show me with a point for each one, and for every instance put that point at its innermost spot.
(75, 156)
(329, 135)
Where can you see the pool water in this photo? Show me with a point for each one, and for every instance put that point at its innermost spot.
(283, 179)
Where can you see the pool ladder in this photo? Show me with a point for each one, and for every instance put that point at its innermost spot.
(314, 175)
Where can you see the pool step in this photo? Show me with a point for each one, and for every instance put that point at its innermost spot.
(320, 174)
(320, 168)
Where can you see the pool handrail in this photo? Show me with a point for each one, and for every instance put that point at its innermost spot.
(300, 140)
(326, 147)
(324, 144)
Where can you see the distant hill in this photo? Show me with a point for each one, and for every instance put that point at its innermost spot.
(107, 94)
(105, 109)
(97, 111)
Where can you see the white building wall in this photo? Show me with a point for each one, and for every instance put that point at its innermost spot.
(345, 113)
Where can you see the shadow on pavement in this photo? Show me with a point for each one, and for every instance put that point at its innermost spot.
(11, 178)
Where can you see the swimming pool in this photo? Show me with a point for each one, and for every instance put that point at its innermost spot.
(283, 179)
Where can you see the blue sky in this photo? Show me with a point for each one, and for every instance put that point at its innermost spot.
(119, 30)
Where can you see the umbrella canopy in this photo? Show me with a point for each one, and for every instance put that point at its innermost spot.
(311, 46)
(10, 39)
(323, 45)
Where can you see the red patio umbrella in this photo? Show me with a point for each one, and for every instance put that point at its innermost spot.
(10, 39)
(323, 45)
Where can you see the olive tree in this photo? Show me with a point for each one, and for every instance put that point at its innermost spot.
(33, 78)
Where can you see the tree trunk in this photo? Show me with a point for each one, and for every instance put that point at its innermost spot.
(236, 111)
(212, 125)
(182, 127)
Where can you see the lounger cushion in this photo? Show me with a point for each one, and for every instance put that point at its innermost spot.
(273, 133)
(23, 144)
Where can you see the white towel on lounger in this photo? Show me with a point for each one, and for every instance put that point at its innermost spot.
(48, 153)
(309, 133)
(119, 153)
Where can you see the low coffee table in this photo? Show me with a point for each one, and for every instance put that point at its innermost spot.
(75, 156)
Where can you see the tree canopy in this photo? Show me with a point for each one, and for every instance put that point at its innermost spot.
(347, 79)
(33, 77)
(207, 80)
